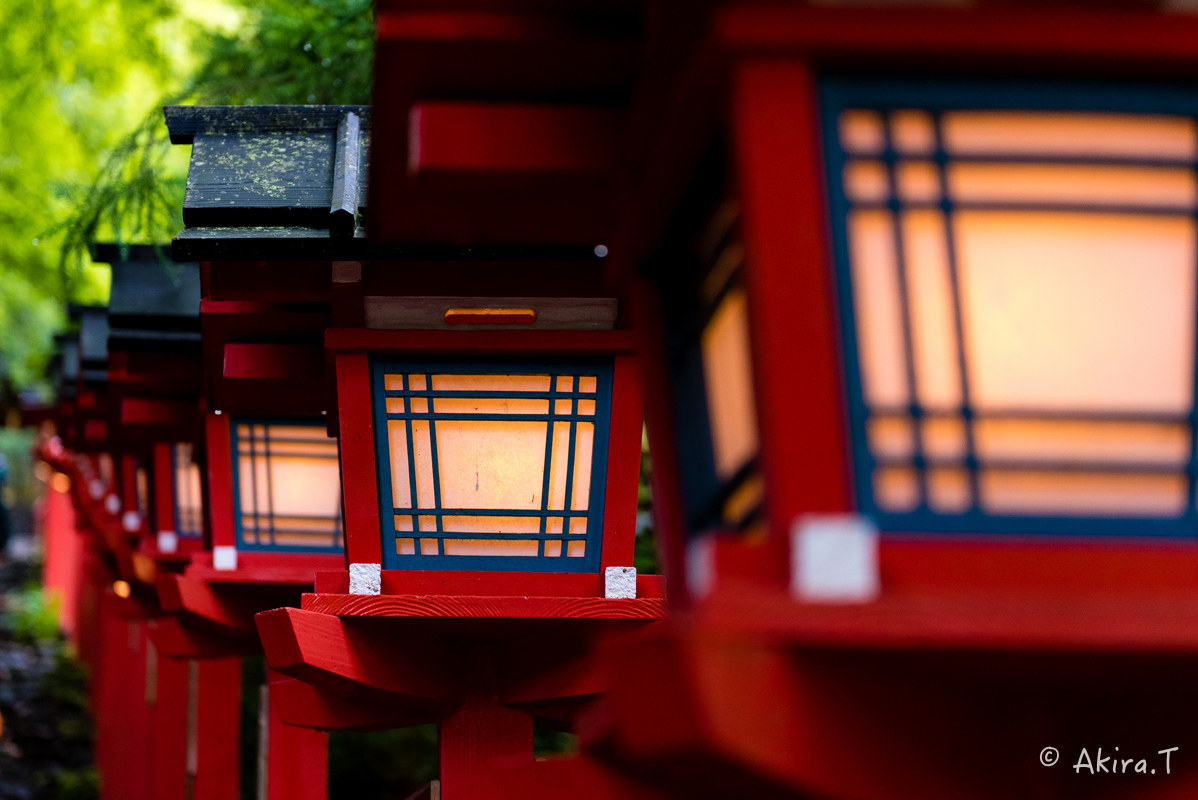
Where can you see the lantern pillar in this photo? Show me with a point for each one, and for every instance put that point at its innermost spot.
(296, 763)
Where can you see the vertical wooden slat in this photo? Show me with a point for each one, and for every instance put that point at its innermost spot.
(220, 480)
(623, 463)
(359, 477)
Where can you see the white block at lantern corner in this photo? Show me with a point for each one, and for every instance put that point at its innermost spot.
(365, 578)
(168, 542)
(224, 557)
(619, 583)
(834, 559)
(131, 521)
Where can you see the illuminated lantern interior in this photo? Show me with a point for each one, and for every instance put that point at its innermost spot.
(1023, 304)
(492, 466)
(288, 486)
(189, 499)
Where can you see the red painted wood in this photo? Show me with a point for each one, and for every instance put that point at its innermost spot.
(333, 655)
(800, 397)
(63, 559)
(295, 569)
(359, 476)
(189, 596)
(170, 730)
(478, 137)
(438, 342)
(474, 607)
(218, 725)
(533, 584)
(578, 778)
(1034, 35)
(302, 704)
(174, 641)
(297, 758)
(162, 478)
(128, 482)
(623, 464)
(475, 737)
(272, 361)
(152, 411)
(219, 498)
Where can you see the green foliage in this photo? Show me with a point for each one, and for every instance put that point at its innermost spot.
(644, 556)
(31, 615)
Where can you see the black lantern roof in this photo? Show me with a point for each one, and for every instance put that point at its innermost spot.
(153, 303)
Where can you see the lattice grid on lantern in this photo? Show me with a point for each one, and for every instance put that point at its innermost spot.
(189, 498)
(492, 466)
(288, 486)
(1018, 268)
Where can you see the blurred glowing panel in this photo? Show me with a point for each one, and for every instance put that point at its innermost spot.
(487, 464)
(890, 437)
(933, 331)
(866, 181)
(943, 438)
(289, 486)
(728, 377)
(877, 308)
(1072, 134)
(1086, 184)
(861, 132)
(1063, 440)
(896, 489)
(1078, 311)
(189, 498)
(1095, 494)
(949, 491)
(918, 181)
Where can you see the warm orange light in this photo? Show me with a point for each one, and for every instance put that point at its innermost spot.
(122, 589)
(290, 485)
(60, 483)
(490, 316)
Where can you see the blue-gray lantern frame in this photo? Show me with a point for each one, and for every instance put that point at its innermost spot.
(591, 561)
(936, 97)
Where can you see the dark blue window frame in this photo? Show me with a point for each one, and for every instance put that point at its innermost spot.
(270, 547)
(936, 97)
(591, 561)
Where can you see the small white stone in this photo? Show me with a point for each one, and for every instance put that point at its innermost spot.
(700, 565)
(95, 488)
(112, 504)
(365, 578)
(619, 583)
(834, 559)
(168, 542)
(224, 557)
(131, 522)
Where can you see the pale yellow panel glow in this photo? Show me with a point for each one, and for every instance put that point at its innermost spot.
(405, 547)
(895, 489)
(565, 383)
(321, 537)
(558, 464)
(1069, 133)
(563, 406)
(490, 383)
(491, 547)
(1081, 440)
(416, 383)
(553, 547)
(427, 522)
(1072, 183)
(576, 549)
(429, 547)
(728, 378)
(912, 132)
(305, 487)
(489, 524)
(944, 438)
(588, 384)
(890, 437)
(918, 181)
(866, 181)
(422, 451)
(877, 309)
(489, 405)
(586, 408)
(934, 341)
(491, 464)
(396, 405)
(401, 482)
(861, 131)
(403, 523)
(419, 405)
(1082, 494)
(1078, 311)
(948, 490)
(578, 525)
(393, 383)
(553, 525)
(584, 442)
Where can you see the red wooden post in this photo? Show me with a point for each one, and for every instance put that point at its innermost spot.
(220, 479)
(164, 487)
(358, 474)
(170, 730)
(297, 759)
(214, 704)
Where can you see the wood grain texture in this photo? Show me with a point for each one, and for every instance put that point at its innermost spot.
(190, 596)
(482, 607)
